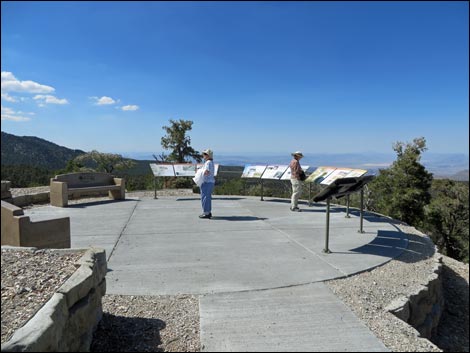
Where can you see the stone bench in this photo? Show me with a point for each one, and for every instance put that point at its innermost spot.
(77, 184)
(19, 230)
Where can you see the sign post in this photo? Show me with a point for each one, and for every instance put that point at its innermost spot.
(361, 230)
(161, 170)
(338, 188)
(309, 194)
(327, 233)
(155, 184)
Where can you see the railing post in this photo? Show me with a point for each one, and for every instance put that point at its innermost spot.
(155, 185)
(327, 234)
(262, 199)
(347, 207)
(309, 194)
(361, 230)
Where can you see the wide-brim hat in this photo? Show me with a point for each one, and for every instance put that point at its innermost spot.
(297, 153)
(208, 152)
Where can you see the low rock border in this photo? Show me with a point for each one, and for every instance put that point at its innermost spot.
(67, 321)
(422, 309)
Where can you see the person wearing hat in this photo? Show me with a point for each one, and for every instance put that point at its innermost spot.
(208, 184)
(295, 180)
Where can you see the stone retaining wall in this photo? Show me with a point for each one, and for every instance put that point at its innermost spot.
(422, 309)
(67, 321)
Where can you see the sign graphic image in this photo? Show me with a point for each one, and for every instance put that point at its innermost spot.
(185, 169)
(253, 171)
(355, 173)
(274, 171)
(162, 170)
(336, 174)
(320, 174)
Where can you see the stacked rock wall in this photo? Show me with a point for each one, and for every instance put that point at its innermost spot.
(67, 321)
(422, 309)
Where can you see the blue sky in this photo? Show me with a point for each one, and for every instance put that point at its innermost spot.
(261, 77)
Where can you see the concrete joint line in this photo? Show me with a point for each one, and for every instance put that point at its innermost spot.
(122, 231)
(201, 295)
(307, 249)
(303, 246)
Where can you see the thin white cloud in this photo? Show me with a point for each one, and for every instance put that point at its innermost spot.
(11, 84)
(10, 114)
(130, 107)
(104, 100)
(8, 98)
(48, 99)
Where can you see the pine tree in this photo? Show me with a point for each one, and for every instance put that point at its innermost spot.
(103, 162)
(447, 218)
(402, 191)
(179, 143)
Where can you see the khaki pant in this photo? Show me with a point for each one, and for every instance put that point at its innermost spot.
(296, 191)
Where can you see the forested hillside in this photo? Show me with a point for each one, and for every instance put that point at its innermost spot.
(35, 152)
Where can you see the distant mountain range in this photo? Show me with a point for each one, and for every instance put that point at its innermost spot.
(460, 176)
(34, 151)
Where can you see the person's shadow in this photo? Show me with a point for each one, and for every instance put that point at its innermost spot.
(237, 218)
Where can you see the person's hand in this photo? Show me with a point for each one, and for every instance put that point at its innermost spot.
(206, 173)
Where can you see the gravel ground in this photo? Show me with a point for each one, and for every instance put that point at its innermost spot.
(171, 323)
(369, 293)
(29, 279)
(28, 191)
(148, 324)
(148, 193)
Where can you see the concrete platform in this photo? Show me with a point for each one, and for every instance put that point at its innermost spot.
(254, 263)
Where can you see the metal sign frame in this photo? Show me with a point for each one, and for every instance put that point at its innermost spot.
(340, 188)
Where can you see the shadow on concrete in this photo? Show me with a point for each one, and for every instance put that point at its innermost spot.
(288, 201)
(97, 203)
(213, 198)
(310, 210)
(237, 218)
(419, 249)
(371, 217)
(383, 242)
(388, 242)
(127, 334)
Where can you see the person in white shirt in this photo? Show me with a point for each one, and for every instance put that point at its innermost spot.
(208, 184)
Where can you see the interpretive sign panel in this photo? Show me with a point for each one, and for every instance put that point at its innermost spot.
(319, 174)
(185, 169)
(162, 170)
(342, 187)
(343, 173)
(274, 171)
(338, 173)
(288, 173)
(356, 173)
(327, 175)
(253, 171)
